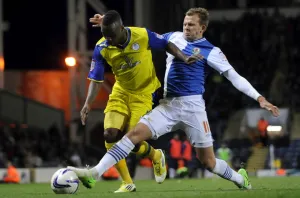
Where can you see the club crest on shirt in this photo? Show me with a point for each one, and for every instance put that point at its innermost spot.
(135, 46)
(196, 50)
(92, 65)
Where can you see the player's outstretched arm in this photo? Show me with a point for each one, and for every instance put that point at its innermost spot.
(244, 86)
(217, 60)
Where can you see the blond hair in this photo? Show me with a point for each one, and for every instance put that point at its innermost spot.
(202, 14)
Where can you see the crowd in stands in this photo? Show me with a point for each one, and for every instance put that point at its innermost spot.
(28, 147)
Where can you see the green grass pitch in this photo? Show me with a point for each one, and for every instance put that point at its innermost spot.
(279, 187)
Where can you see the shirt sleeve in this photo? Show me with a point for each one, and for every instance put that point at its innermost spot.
(241, 84)
(217, 60)
(97, 66)
(156, 41)
(167, 35)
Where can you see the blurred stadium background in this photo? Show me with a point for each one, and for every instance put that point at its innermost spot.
(40, 96)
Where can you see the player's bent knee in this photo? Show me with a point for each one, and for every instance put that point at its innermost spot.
(112, 135)
(135, 136)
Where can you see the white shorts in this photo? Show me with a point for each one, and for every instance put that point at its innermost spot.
(186, 113)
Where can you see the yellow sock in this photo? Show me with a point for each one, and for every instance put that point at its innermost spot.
(121, 166)
(146, 150)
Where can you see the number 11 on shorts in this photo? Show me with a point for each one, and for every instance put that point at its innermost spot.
(206, 127)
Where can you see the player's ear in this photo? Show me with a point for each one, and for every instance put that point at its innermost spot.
(203, 28)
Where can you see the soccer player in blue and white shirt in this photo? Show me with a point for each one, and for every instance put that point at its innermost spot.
(183, 106)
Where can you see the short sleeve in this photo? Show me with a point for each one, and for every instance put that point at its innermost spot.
(156, 41)
(97, 66)
(167, 35)
(218, 61)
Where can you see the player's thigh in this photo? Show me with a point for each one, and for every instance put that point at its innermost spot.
(160, 121)
(118, 102)
(116, 120)
(138, 105)
(198, 131)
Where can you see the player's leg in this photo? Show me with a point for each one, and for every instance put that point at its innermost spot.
(139, 105)
(152, 125)
(118, 152)
(220, 167)
(114, 124)
(116, 117)
(201, 139)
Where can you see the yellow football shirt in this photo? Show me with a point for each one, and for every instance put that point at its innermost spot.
(131, 63)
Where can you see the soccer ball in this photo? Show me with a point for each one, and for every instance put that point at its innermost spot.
(64, 181)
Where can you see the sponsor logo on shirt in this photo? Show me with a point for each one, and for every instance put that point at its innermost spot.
(129, 63)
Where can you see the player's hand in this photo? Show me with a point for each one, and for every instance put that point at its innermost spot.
(97, 20)
(268, 106)
(84, 113)
(193, 58)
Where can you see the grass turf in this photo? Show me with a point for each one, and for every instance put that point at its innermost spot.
(262, 187)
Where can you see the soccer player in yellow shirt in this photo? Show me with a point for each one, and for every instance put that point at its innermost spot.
(127, 50)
